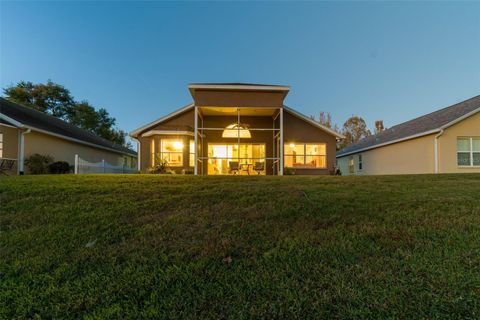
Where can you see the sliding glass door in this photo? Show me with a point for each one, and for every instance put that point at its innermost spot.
(236, 159)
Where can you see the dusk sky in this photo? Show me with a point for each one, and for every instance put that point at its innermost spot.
(390, 61)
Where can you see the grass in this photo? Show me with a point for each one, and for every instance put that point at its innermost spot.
(184, 247)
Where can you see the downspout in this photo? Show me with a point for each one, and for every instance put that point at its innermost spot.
(21, 150)
(138, 153)
(436, 150)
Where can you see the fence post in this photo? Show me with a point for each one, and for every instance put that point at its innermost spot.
(75, 170)
(103, 165)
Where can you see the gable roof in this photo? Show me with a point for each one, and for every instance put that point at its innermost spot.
(23, 117)
(313, 122)
(136, 132)
(430, 123)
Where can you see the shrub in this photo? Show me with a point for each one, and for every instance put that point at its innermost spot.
(59, 167)
(38, 163)
(161, 167)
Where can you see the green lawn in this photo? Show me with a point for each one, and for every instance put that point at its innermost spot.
(177, 247)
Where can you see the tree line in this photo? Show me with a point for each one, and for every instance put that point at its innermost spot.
(56, 100)
(354, 128)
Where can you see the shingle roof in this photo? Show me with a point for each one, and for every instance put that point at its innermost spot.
(426, 124)
(39, 120)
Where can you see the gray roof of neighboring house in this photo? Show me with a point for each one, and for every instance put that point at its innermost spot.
(34, 119)
(427, 124)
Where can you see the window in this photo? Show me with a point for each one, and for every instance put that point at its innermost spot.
(351, 165)
(152, 152)
(171, 151)
(305, 155)
(192, 154)
(468, 151)
(1, 145)
(360, 162)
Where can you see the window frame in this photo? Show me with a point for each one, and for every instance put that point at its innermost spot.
(191, 155)
(305, 155)
(1, 144)
(470, 152)
(161, 152)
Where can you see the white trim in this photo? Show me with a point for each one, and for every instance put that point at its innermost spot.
(313, 122)
(281, 160)
(139, 153)
(471, 152)
(195, 168)
(80, 141)
(426, 133)
(12, 121)
(167, 132)
(238, 87)
(135, 132)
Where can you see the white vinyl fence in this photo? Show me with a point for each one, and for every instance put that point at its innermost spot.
(83, 166)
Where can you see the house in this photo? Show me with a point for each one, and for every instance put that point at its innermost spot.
(237, 129)
(444, 141)
(24, 131)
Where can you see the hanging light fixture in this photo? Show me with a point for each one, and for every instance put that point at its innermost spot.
(233, 130)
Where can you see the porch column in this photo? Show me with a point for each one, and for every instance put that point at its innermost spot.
(280, 171)
(195, 170)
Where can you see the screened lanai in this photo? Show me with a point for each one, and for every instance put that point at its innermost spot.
(238, 140)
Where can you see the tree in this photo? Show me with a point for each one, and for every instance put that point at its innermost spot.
(50, 98)
(379, 126)
(325, 119)
(354, 129)
(56, 100)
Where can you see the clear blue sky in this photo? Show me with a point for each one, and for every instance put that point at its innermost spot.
(390, 61)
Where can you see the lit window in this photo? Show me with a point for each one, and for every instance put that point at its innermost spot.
(192, 153)
(172, 152)
(468, 151)
(305, 155)
(233, 130)
(1, 145)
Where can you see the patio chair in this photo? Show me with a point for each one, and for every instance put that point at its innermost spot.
(259, 167)
(233, 167)
(6, 165)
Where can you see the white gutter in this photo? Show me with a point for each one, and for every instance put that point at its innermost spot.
(167, 132)
(12, 121)
(21, 151)
(436, 150)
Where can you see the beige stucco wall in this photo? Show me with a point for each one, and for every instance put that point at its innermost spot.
(64, 150)
(447, 144)
(408, 157)
(10, 144)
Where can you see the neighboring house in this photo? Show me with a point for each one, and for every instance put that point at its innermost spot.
(444, 141)
(237, 129)
(24, 131)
